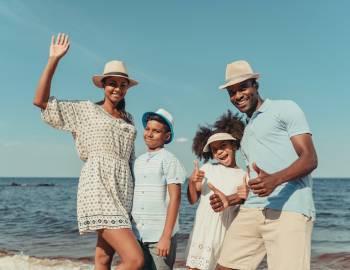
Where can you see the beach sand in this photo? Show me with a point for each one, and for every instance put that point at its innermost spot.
(12, 261)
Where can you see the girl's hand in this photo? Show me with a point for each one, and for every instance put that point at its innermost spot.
(243, 190)
(197, 175)
(163, 246)
(59, 48)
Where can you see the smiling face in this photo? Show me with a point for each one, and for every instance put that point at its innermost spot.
(245, 97)
(155, 135)
(115, 88)
(224, 152)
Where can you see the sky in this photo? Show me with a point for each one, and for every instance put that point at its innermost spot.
(178, 51)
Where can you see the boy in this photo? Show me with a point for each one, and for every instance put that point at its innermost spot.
(157, 194)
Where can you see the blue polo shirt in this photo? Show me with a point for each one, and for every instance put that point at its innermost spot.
(154, 171)
(266, 141)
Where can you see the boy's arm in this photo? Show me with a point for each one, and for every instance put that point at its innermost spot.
(164, 242)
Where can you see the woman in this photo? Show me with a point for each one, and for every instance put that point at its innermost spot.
(104, 135)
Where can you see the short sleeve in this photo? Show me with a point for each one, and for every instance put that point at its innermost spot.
(244, 158)
(63, 115)
(293, 119)
(173, 171)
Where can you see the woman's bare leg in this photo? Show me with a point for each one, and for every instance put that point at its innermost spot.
(124, 243)
(103, 254)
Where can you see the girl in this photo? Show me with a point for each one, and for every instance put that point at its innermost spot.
(223, 177)
(104, 135)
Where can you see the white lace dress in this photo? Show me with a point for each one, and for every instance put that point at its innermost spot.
(209, 229)
(106, 144)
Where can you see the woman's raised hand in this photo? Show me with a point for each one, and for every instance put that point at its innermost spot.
(59, 47)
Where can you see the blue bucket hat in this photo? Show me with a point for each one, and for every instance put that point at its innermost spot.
(166, 116)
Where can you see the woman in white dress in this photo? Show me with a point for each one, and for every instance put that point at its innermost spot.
(104, 135)
(221, 176)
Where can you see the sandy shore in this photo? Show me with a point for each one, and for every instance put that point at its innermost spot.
(15, 261)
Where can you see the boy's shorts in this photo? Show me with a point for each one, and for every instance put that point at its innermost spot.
(155, 262)
(284, 236)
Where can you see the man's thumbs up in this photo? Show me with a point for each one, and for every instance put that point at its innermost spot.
(218, 200)
(258, 170)
(264, 183)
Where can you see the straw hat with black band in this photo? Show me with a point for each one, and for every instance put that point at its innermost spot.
(114, 68)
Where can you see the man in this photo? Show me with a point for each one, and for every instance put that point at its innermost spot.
(277, 217)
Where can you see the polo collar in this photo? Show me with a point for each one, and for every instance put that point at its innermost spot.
(264, 106)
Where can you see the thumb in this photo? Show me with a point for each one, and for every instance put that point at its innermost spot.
(256, 168)
(213, 188)
(196, 165)
(245, 179)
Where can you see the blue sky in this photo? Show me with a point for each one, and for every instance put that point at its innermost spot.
(178, 51)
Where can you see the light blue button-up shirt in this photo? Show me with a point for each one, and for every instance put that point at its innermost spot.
(266, 141)
(153, 172)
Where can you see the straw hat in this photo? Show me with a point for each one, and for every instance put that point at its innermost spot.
(218, 137)
(166, 116)
(237, 72)
(114, 68)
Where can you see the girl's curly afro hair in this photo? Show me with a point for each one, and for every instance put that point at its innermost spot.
(228, 123)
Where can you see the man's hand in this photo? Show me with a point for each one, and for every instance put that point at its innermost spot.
(264, 183)
(218, 200)
(163, 246)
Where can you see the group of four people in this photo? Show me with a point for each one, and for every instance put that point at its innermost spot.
(133, 205)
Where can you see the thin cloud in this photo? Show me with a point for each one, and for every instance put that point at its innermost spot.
(9, 144)
(181, 140)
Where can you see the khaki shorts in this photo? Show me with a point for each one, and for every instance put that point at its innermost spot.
(284, 236)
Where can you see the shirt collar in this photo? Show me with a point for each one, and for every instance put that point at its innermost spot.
(151, 154)
(264, 106)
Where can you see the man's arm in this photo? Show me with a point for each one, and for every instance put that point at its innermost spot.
(265, 183)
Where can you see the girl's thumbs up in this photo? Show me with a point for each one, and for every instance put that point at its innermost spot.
(196, 165)
(197, 174)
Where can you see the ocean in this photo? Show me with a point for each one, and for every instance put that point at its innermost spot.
(38, 228)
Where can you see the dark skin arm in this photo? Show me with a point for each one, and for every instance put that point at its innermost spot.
(265, 183)
(219, 201)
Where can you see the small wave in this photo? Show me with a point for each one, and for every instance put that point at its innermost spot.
(14, 184)
(10, 261)
(339, 261)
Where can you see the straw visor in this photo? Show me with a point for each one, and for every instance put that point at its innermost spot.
(218, 137)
